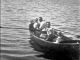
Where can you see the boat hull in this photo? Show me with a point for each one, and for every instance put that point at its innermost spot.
(67, 49)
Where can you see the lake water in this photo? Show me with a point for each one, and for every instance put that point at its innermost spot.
(15, 19)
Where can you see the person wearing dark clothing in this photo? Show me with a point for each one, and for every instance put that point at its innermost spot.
(31, 28)
(64, 39)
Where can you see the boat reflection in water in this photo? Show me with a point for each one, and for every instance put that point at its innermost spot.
(68, 50)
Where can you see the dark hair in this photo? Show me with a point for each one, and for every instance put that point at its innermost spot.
(48, 22)
(41, 19)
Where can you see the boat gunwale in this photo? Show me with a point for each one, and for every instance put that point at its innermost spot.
(55, 43)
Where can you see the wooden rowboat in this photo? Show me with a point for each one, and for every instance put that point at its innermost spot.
(72, 48)
(47, 44)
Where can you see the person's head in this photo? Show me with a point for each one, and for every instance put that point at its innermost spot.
(61, 34)
(54, 32)
(36, 20)
(48, 24)
(40, 19)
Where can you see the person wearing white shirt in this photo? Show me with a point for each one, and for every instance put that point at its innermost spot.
(36, 27)
(46, 31)
(42, 23)
(36, 24)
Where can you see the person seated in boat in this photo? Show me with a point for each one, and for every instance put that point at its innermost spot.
(36, 27)
(36, 24)
(45, 30)
(41, 27)
(31, 28)
(52, 36)
(42, 23)
(64, 38)
(48, 33)
(48, 28)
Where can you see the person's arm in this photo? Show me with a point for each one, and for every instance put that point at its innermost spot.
(34, 25)
(47, 38)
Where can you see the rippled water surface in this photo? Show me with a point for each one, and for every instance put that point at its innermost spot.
(15, 18)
